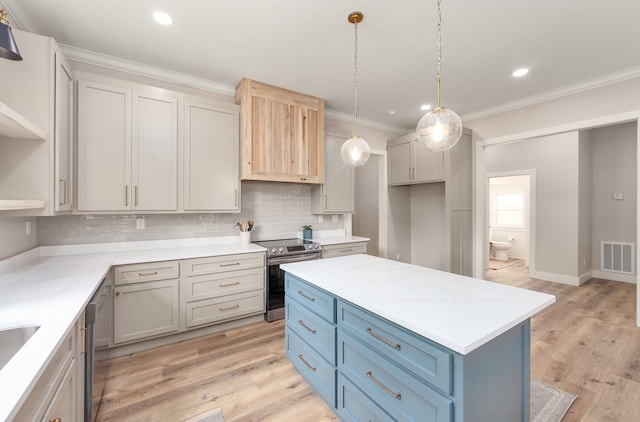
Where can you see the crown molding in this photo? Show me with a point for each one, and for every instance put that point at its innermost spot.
(116, 63)
(348, 118)
(586, 85)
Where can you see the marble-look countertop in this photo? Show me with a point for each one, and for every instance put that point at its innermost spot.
(458, 312)
(50, 287)
(338, 239)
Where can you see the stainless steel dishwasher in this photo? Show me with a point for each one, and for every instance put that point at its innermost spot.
(98, 316)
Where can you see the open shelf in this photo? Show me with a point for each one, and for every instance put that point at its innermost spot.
(20, 204)
(14, 125)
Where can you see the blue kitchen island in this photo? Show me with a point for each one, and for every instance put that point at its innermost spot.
(388, 341)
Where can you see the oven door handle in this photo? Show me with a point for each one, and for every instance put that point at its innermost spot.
(297, 258)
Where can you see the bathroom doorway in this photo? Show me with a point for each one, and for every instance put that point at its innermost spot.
(509, 222)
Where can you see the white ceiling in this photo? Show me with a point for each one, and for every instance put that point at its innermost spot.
(308, 46)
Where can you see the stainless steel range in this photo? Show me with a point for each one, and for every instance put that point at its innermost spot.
(279, 252)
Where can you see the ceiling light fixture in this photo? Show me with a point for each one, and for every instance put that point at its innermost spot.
(162, 18)
(425, 107)
(8, 48)
(439, 129)
(520, 72)
(355, 151)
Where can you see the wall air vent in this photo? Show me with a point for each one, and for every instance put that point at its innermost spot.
(618, 257)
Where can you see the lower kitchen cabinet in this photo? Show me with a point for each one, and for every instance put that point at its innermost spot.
(144, 310)
(343, 249)
(59, 393)
(385, 372)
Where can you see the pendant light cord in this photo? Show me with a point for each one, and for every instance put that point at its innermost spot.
(439, 53)
(355, 81)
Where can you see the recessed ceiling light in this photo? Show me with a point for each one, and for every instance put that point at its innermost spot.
(520, 72)
(391, 112)
(162, 18)
(425, 107)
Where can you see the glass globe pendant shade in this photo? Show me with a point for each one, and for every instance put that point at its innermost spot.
(439, 129)
(355, 152)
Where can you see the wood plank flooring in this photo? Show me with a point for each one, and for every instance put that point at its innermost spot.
(585, 343)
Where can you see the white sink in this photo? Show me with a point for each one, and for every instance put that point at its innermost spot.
(12, 339)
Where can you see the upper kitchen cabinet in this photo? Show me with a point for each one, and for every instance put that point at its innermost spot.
(281, 134)
(409, 163)
(211, 156)
(337, 193)
(127, 146)
(36, 128)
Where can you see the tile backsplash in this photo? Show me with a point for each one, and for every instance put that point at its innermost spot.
(278, 209)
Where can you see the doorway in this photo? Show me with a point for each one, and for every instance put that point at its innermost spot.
(509, 202)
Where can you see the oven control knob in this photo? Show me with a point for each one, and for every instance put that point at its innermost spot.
(280, 249)
(273, 250)
(316, 246)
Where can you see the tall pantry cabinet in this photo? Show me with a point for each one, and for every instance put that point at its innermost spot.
(127, 147)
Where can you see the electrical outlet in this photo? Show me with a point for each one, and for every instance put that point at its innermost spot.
(618, 196)
(139, 223)
(320, 219)
(335, 218)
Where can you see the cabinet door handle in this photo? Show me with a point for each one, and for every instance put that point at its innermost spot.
(229, 308)
(306, 327)
(312, 299)
(84, 334)
(326, 203)
(384, 340)
(230, 265)
(384, 387)
(313, 368)
(236, 204)
(230, 284)
(64, 190)
(135, 195)
(346, 250)
(126, 195)
(147, 274)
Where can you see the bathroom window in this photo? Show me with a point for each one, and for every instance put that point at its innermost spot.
(510, 209)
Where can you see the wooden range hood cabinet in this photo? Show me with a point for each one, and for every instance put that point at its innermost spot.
(281, 134)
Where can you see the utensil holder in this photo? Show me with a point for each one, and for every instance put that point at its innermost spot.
(245, 238)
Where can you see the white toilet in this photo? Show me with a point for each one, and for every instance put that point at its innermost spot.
(500, 249)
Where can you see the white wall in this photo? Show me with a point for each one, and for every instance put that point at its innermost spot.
(614, 171)
(428, 228)
(555, 159)
(585, 203)
(13, 238)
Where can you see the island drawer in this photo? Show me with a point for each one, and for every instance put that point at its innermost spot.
(414, 353)
(208, 286)
(218, 264)
(225, 307)
(330, 251)
(319, 373)
(320, 334)
(311, 297)
(354, 405)
(400, 393)
(150, 271)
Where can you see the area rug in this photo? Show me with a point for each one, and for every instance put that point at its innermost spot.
(214, 415)
(495, 264)
(548, 403)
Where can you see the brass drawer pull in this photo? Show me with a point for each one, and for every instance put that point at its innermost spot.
(346, 250)
(384, 387)
(148, 274)
(229, 308)
(84, 334)
(311, 330)
(313, 368)
(230, 265)
(312, 299)
(384, 340)
(230, 284)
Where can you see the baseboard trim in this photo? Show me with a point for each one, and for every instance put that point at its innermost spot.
(556, 278)
(625, 278)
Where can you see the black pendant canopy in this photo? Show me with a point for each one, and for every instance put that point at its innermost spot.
(8, 48)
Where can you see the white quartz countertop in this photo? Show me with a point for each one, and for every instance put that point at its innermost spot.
(53, 287)
(458, 312)
(337, 240)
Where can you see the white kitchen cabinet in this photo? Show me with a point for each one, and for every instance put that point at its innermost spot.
(409, 163)
(145, 301)
(59, 392)
(211, 156)
(337, 193)
(127, 147)
(36, 121)
(343, 249)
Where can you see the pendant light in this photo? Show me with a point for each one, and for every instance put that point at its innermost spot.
(8, 48)
(439, 129)
(355, 151)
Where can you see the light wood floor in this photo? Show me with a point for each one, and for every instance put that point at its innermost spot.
(585, 343)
